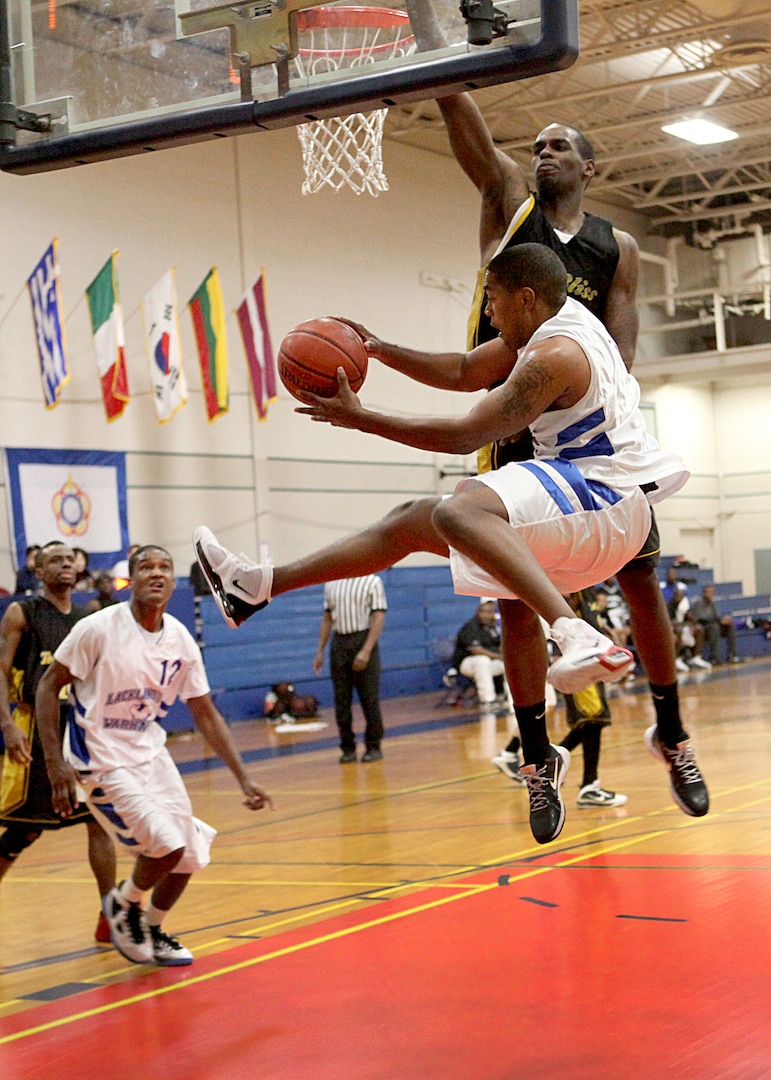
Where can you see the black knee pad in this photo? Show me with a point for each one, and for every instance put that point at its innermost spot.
(15, 839)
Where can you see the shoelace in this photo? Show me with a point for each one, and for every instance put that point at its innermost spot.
(161, 938)
(537, 786)
(685, 763)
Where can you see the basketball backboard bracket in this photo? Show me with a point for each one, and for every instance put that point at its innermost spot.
(185, 91)
(484, 21)
(261, 33)
(264, 32)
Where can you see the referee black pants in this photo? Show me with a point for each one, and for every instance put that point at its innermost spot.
(343, 652)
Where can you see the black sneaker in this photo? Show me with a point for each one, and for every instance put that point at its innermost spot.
(128, 930)
(547, 810)
(685, 780)
(167, 950)
(347, 757)
(373, 754)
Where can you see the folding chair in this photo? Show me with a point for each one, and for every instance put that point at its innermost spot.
(459, 690)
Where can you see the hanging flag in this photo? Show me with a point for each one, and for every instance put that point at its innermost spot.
(208, 312)
(76, 496)
(109, 342)
(45, 294)
(159, 312)
(253, 321)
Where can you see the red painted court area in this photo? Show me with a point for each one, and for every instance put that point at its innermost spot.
(613, 966)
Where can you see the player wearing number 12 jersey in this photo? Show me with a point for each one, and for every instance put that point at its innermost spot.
(126, 665)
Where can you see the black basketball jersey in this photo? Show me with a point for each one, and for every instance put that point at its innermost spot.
(590, 258)
(46, 629)
(26, 791)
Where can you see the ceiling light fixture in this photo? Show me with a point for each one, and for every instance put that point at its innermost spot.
(701, 132)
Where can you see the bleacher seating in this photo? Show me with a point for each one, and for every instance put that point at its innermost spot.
(749, 612)
(281, 641)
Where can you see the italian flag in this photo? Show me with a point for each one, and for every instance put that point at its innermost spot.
(109, 340)
(208, 313)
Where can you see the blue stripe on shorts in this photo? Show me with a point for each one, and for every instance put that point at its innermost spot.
(585, 490)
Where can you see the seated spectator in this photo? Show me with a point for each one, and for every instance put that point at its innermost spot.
(105, 589)
(478, 656)
(26, 578)
(673, 581)
(84, 582)
(689, 634)
(716, 626)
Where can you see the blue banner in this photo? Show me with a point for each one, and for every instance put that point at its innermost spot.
(44, 292)
(75, 496)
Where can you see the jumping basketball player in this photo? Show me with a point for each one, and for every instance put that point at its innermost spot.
(569, 384)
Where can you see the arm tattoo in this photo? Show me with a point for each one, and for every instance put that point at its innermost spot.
(525, 396)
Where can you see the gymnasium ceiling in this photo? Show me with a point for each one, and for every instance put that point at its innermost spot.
(644, 63)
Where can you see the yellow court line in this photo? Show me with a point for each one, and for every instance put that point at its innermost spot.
(462, 894)
(747, 806)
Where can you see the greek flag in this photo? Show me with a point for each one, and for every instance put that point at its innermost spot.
(45, 294)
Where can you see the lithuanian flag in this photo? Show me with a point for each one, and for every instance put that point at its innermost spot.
(109, 340)
(208, 313)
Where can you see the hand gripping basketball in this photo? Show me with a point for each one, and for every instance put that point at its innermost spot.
(310, 355)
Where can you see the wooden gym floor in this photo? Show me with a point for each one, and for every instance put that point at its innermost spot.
(396, 920)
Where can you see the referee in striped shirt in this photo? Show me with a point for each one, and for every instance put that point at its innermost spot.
(354, 613)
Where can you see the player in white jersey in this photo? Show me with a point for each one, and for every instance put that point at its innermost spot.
(534, 529)
(126, 666)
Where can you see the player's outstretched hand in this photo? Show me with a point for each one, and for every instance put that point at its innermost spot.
(342, 410)
(256, 798)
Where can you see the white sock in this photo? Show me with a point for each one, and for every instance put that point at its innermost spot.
(154, 916)
(130, 892)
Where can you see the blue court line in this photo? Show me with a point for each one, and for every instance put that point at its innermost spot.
(56, 993)
(331, 742)
(650, 918)
(418, 727)
(59, 958)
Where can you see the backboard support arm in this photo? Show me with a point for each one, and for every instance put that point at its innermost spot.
(263, 32)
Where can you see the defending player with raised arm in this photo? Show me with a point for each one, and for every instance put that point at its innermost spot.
(602, 261)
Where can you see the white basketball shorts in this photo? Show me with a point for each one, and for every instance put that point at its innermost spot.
(581, 532)
(146, 808)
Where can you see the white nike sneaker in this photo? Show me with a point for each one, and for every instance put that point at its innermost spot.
(587, 657)
(239, 587)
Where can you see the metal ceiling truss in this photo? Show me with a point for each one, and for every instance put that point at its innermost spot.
(644, 63)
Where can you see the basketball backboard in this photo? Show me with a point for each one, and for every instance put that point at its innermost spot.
(87, 80)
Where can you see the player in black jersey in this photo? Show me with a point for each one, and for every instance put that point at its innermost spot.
(603, 263)
(30, 631)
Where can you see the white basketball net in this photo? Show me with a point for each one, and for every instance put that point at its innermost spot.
(348, 149)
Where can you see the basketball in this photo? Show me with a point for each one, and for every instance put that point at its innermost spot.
(310, 355)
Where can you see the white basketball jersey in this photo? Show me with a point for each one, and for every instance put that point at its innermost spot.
(124, 682)
(603, 434)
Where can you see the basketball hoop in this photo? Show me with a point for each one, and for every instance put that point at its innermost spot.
(347, 149)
